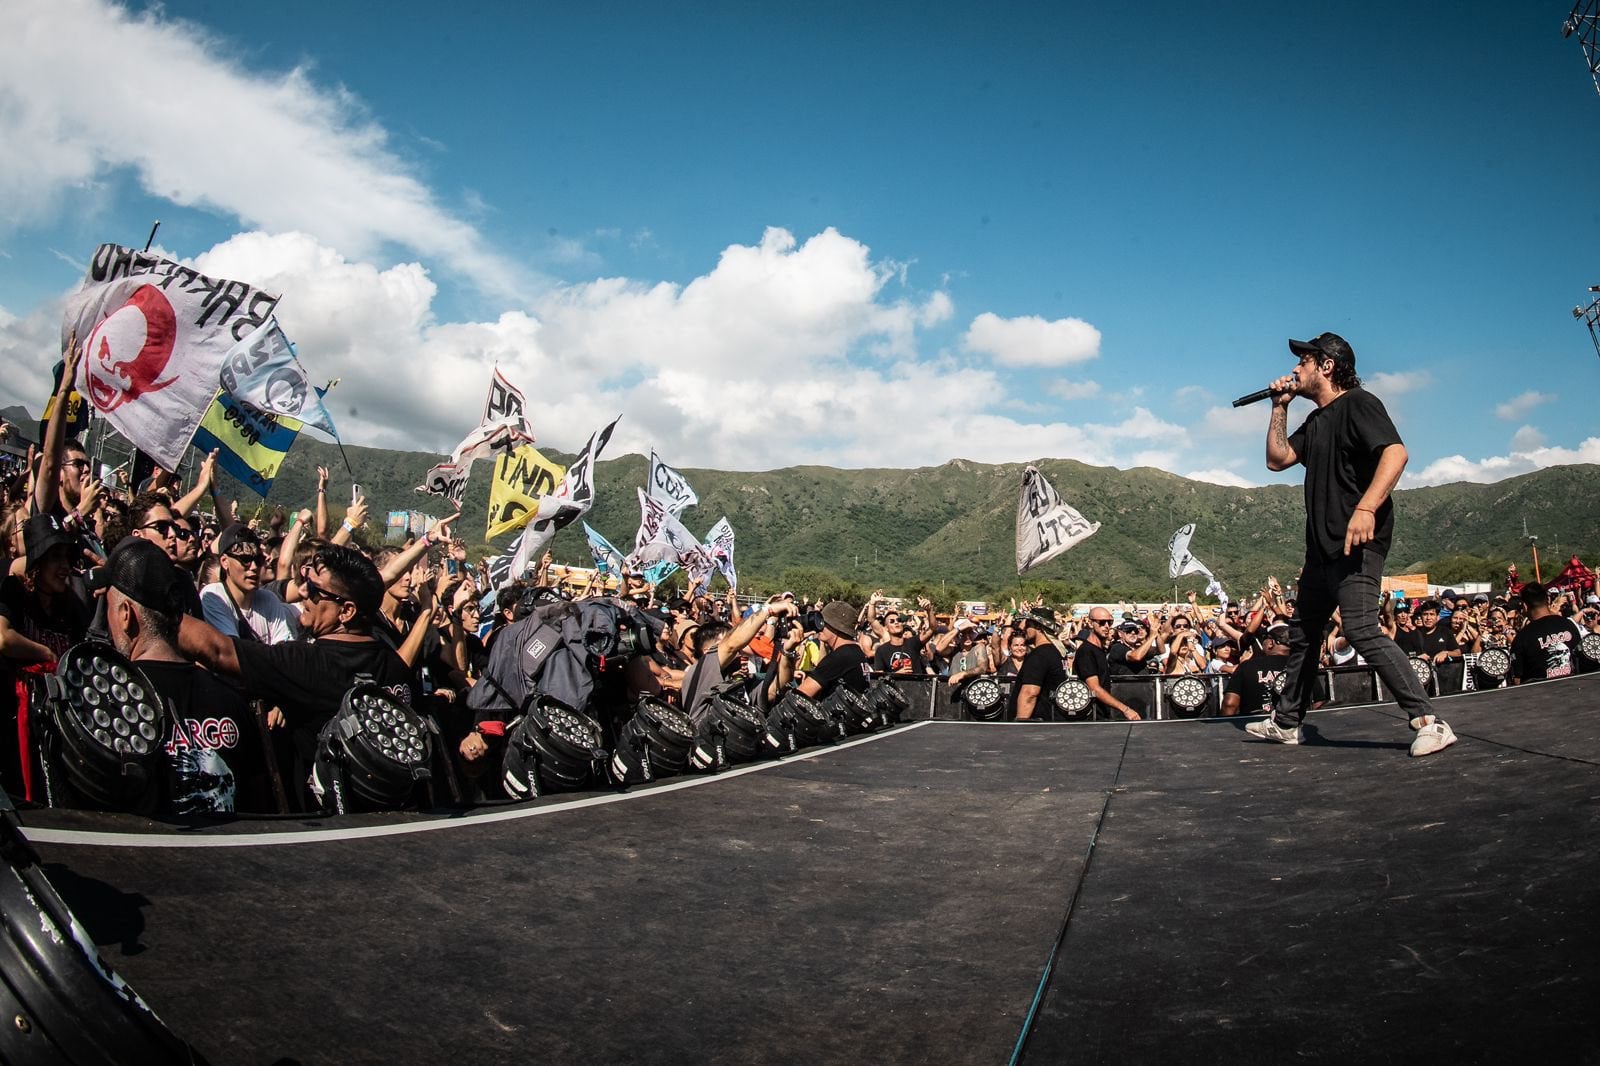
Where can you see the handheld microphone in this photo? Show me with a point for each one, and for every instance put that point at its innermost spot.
(1254, 397)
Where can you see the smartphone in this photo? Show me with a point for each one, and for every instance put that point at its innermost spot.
(451, 566)
(355, 493)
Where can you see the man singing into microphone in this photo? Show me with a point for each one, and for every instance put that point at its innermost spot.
(1353, 457)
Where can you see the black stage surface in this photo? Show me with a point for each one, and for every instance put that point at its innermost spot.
(945, 892)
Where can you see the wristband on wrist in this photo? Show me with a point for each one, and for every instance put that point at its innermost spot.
(345, 525)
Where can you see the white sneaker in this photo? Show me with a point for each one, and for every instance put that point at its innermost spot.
(1433, 735)
(1269, 729)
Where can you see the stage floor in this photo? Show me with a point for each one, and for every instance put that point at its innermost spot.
(945, 892)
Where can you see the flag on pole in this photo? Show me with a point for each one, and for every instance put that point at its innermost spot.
(669, 486)
(263, 371)
(250, 443)
(520, 479)
(154, 335)
(1046, 526)
(719, 545)
(494, 435)
(1181, 561)
(505, 403)
(607, 559)
(571, 501)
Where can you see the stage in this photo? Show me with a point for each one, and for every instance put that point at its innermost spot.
(949, 892)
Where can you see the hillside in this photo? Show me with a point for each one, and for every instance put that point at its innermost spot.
(950, 529)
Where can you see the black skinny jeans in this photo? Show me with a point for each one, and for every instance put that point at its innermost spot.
(1351, 584)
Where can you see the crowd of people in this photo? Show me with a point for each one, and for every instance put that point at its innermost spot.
(253, 631)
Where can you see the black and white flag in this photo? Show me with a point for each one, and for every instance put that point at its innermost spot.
(670, 486)
(1046, 526)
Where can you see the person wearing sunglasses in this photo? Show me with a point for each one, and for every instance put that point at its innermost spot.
(307, 678)
(1092, 664)
(240, 605)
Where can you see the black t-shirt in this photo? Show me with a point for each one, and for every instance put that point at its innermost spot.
(900, 658)
(1042, 666)
(1252, 682)
(1121, 665)
(215, 763)
(1339, 445)
(1091, 660)
(1546, 648)
(308, 679)
(845, 665)
(1428, 642)
(58, 628)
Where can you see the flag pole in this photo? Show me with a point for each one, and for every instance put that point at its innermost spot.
(151, 239)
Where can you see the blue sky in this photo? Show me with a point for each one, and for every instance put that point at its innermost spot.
(860, 235)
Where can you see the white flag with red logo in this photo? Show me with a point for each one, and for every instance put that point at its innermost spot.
(153, 335)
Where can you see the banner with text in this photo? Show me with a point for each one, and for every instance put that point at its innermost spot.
(1046, 526)
(153, 335)
(520, 479)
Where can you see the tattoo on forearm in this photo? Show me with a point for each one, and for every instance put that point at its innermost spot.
(1278, 429)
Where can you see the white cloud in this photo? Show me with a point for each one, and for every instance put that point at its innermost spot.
(278, 151)
(1518, 406)
(1397, 384)
(1220, 477)
(1032, 341)
(1527, 439)
(1073, 390)
(1500, 467)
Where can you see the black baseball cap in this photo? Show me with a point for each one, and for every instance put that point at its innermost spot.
(141, 571)
(1279, 632)
(43, 532)
(1325, 346)
(233, 535)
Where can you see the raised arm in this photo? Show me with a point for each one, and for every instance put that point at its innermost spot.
(202, 486)
(47, 480)
(1279, 455)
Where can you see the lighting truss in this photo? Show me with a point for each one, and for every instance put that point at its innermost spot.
(1590, 314)
(1585, 22)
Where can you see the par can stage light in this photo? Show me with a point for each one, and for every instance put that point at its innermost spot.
(889, 702)
(798, 722)
(1072, 698)
(1188, 694)
(1423, 669)
(1590, 647)
(106, 725)
(849, 710)
(373, 754)
(729, 730)
(982, 699)
(1494, 664)
(655, 742)
(551, 748)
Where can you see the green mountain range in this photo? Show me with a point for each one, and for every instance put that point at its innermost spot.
(949, 531)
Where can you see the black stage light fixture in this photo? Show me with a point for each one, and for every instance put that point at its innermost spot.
(373, 754)
(1493, 665)
(798, 722)
(106, 728)
(1590, 647)
(730, 731)
(551, 748)
(850, 711)
(1423, 669)
(655, 742)
(1072, 698)
(888, 701)
(62, 1003)
(982, 698)
(1188, 694)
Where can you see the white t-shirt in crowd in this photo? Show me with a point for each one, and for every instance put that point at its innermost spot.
(271, 621)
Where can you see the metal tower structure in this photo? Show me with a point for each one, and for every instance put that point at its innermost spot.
(1585, 22)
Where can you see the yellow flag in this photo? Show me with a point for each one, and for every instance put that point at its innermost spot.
(519, 480)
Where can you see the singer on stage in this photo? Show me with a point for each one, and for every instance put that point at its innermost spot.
(1353, 458)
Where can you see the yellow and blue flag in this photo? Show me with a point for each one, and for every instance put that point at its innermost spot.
(250, 443)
